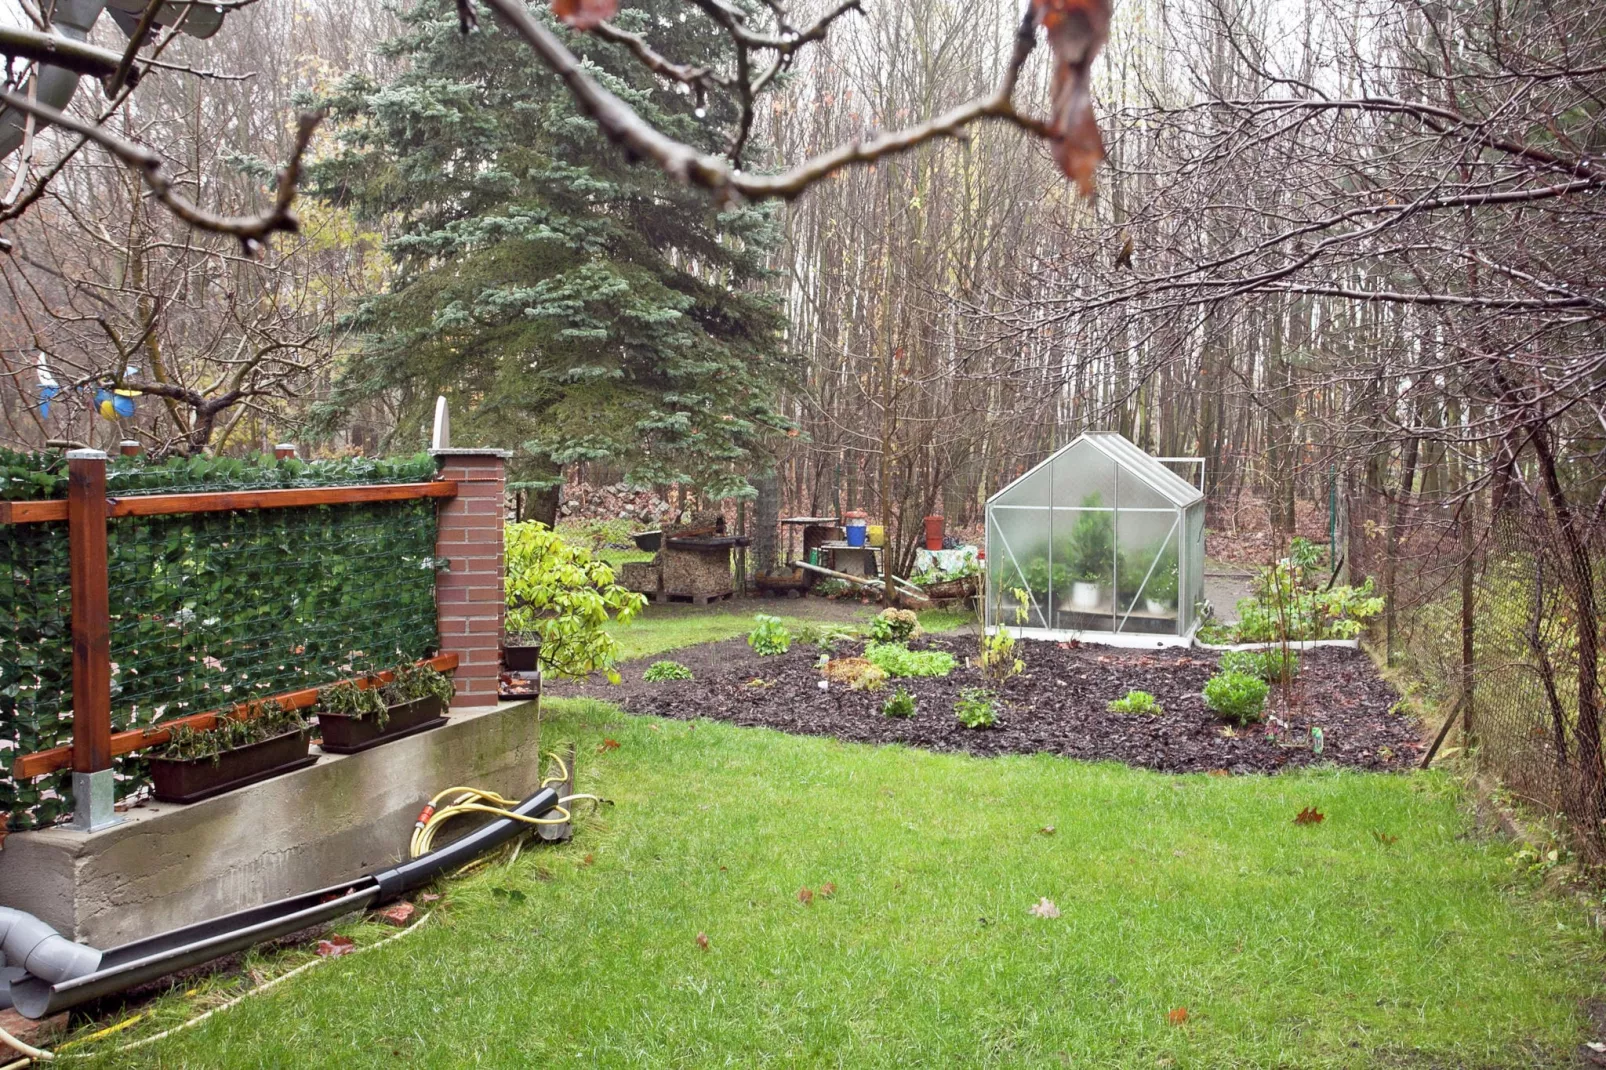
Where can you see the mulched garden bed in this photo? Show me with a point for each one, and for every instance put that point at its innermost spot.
(1056, 706)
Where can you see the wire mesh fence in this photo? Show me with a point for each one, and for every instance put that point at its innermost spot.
(1492, 624)
(210, 609)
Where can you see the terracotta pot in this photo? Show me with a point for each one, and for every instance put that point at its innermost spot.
(347, 735)
(192, 779)
(934, 532)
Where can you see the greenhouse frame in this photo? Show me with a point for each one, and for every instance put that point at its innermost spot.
(1101, 542)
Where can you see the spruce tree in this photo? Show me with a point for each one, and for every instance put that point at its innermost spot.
(567, 301)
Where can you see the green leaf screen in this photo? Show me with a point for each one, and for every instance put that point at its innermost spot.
(208, 609)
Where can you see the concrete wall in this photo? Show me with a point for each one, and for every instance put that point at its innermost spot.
(167, 865)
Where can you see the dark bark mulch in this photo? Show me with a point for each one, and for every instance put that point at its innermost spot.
(1056, 706)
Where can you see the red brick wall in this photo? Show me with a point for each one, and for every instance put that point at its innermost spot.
(469, 600)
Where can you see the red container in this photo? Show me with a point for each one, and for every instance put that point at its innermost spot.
(934, 532)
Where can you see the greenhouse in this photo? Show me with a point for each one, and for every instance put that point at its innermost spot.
(1100, 541)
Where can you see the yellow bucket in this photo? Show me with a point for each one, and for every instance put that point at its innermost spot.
(876, 534)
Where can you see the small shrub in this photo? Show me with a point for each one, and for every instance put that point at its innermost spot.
(660, 671)
(998, 660)
(1237, 696)
(860, 674)
(1266, 664)
(415, 682)
(1136, 702)
(901, 704)
(977, 707)
(895, 626)
(898, 660)
(770, 637)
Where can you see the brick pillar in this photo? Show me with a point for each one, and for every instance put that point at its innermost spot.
(469, 600)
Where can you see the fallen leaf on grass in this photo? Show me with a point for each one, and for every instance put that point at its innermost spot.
(335, 946)
(827, 890)
(1309, 816)
(1046, 830)
(1178, 1016)
(1045, 908)
(398, 914)
(588, 859)
(429, 897)
(1384, 838)
(609, 744)
(805, 897)
(702, 941)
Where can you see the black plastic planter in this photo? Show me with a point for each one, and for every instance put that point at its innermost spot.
(193, 779)
(347, 735)
(521, 658)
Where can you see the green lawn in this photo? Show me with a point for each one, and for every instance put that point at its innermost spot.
(668, 627)
(1318, 946)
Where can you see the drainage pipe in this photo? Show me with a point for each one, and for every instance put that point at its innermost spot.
(69, 974)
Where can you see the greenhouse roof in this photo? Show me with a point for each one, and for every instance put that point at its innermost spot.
(1112, 444)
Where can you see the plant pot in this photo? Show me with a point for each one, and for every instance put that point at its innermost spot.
(347, 735)
(934, 532)
(192, 779)
(1156, 607)
(1085, 595)
(524, 657)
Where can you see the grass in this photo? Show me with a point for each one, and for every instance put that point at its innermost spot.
(661, 628)
(1325, 945)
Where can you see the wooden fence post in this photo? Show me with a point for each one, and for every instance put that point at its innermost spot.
(93, 782)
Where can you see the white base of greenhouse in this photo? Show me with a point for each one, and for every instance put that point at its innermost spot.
(1130, 642)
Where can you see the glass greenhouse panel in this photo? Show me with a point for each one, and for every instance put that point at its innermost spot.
(1104, 538)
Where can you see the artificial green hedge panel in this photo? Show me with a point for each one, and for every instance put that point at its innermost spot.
(208, 608)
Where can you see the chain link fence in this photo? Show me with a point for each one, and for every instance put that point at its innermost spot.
(1488, 626)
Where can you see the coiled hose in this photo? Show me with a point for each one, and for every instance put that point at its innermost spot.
(479, 801)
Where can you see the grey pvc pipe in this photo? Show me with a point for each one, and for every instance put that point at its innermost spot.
(55, 85)
(75, 973)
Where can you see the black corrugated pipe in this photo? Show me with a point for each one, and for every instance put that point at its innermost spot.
(74, 977)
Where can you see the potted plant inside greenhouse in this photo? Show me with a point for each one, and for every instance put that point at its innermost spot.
(1160, 593)
(198, 763)
(353, 718)
(1091, 553)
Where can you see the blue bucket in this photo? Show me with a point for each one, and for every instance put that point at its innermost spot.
(856, 532)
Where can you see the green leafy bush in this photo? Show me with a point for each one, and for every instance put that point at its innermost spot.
(1267, 664)
(824, 637)
(268, 719)
(901, 704)
(1237, 696)
(770, 637)
(898, 660)
(976, 707)
(568, 597)
(659, 671)
(1136, 702)
(1092, 544)
(894, 626)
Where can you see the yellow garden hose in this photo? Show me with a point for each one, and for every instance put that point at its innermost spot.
(466, 800)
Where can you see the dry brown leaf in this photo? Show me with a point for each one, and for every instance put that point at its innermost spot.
(702, 941)
(1076, 31)
(1178, 1016)
(805, 896)
(584, 14)
(1045, 908)
(1309, 816)
(827, 890)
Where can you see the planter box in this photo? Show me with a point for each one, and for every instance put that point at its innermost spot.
(193, 779)
(348, 735)
(526, 658)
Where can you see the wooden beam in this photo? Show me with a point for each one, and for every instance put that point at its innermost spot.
(91, 612)
(48, 761)
(224, 501)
